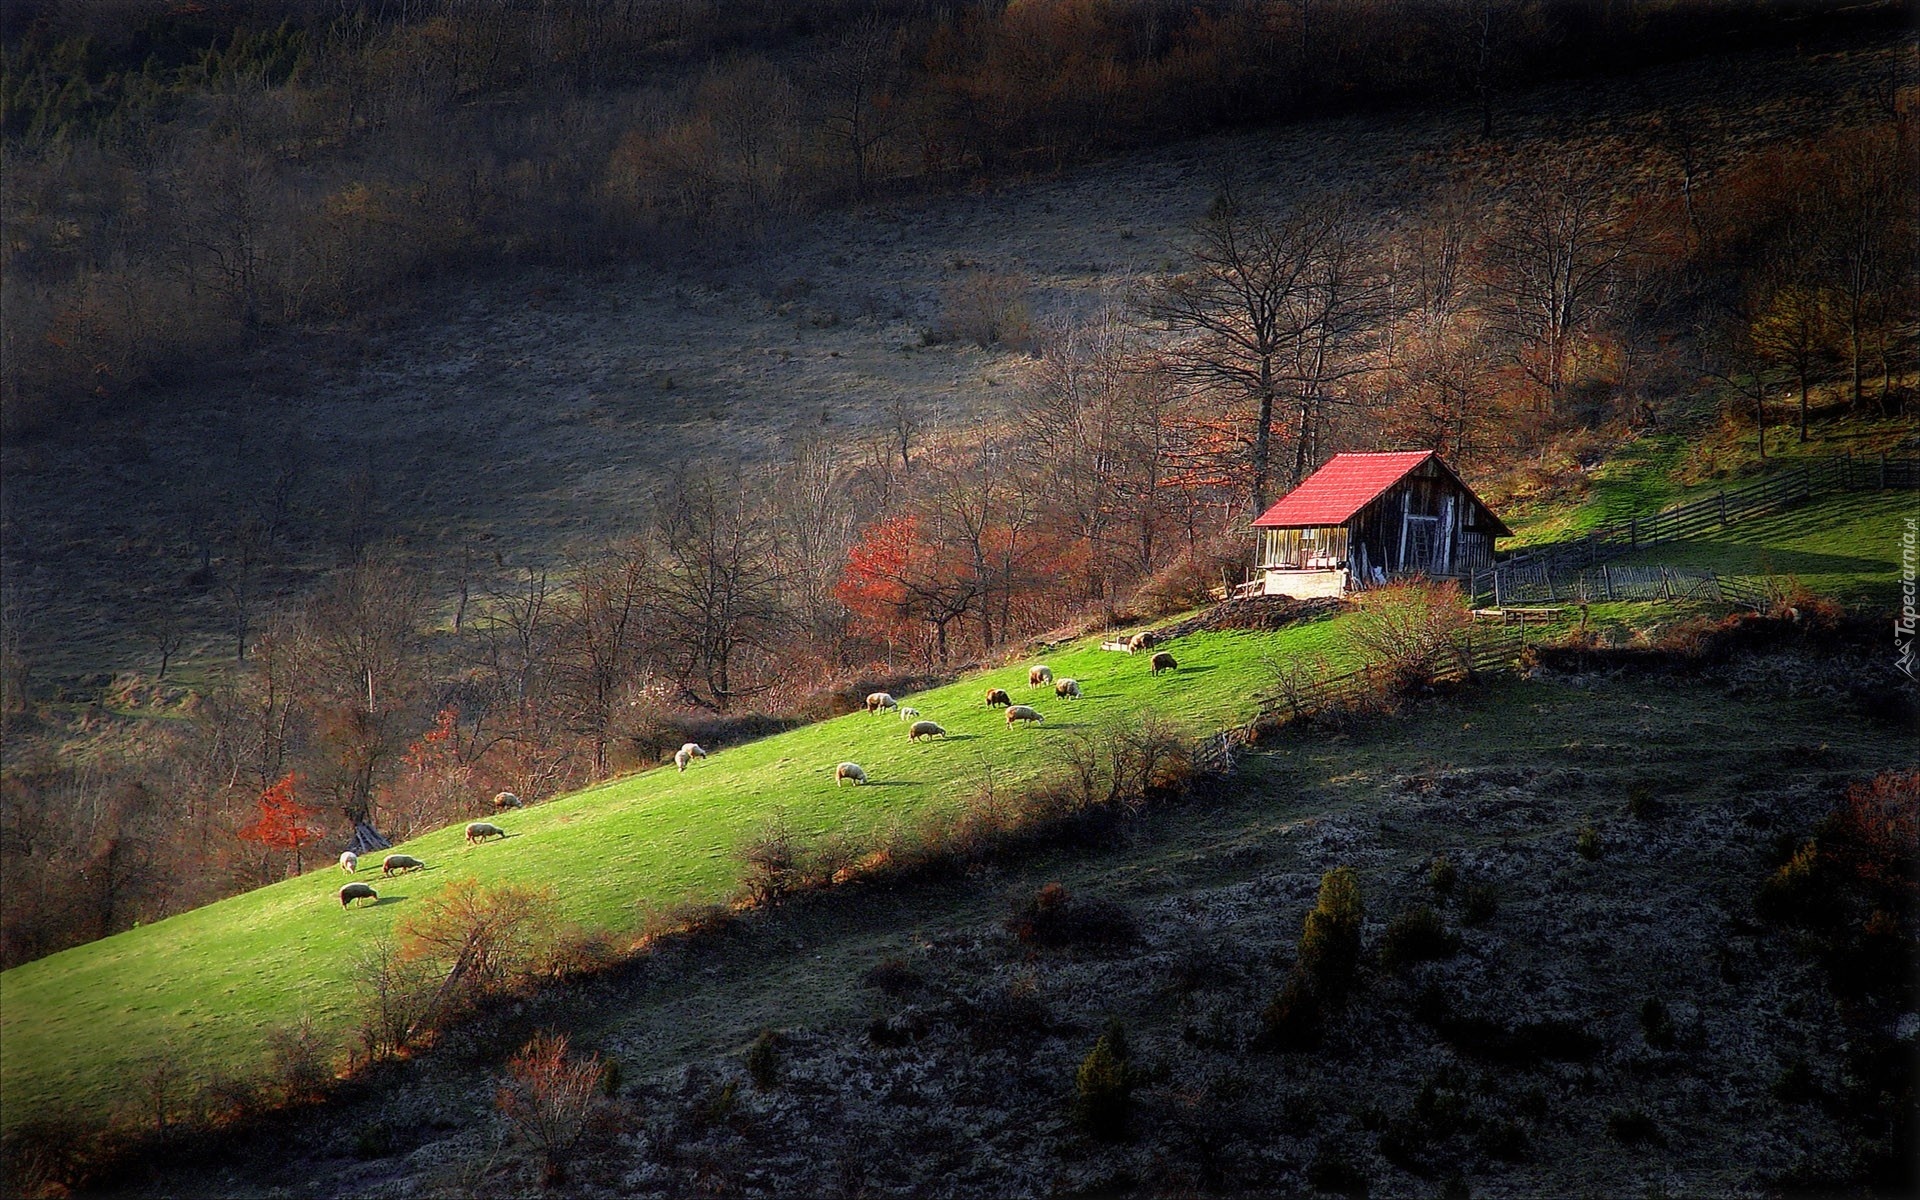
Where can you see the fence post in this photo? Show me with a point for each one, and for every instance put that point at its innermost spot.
(1633, 531)
(1723, 506)
(1606, 582)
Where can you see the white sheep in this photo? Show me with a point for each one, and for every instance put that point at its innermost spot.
(349, 861)
(924, 729)
(357, 891)
(505, 800)
(879, 700)
(1021, 712)
(1144, 640)
(687, 754)
(1162, 661)
(1039, 675)
(480, 831)
(399, 862)
(907, 713)
(846, 771)
(1067, 689)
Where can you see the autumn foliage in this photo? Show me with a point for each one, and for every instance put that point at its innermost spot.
(283, 822)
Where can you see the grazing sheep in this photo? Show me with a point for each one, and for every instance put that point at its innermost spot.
(880, 700)
(506, 800)
(906, 712)
(846, 771)
(1162, 661)
(687, 754)
(349, 862)
(924, 729)
(998, 696)
(1039, 675)
(399, 862)
(1144, 640)
(1067, 689)
(1021, 712)
(479, 831)
(356, 891)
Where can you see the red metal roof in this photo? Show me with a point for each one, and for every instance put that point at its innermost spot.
(1341, 488)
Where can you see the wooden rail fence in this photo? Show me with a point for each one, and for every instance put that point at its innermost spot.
(1795, 485)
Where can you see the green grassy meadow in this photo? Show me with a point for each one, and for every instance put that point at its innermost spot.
(208, 985)
(1846, 546)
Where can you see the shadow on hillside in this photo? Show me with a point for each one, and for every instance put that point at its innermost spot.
(384, 900)
(1772, 560)
(891, 783)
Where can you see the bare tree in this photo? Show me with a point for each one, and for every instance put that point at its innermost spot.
(362, 660)
(1272, 309)
(856, 80)
(1553, 259)
(607, 608)
(719, 588)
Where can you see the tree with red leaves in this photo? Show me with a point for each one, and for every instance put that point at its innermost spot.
(283, 823)
(897, 578)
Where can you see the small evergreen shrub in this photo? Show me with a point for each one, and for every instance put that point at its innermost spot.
(1589, 843)
(762, 1060)
(1330, 937)
(1103, 1090)
(1800, 892)
(1479, 903)
(1416, 935)
(1641, 805)
(1442, 875)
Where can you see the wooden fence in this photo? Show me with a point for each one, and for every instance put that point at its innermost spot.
(1794, 485)
(1548, 583)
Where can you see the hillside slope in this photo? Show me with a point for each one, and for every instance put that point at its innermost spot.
(516, 414)
(208, 985)
(956, 1077)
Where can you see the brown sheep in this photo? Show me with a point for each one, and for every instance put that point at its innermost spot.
(1162, 661)
(999, 697)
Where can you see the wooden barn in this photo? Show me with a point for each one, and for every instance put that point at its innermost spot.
(1365, 518)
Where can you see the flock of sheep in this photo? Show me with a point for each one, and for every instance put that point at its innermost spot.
(1017, 714)
(477, 831)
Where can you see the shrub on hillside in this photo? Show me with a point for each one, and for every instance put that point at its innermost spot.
(1588, 843)
(1479, 903)
(1416, 935)
(549, 1098)
(1329, 950)
(484, 939)
(1442, 875)
(1411, 630)
(1054, 919)
(1103, 1089)
(762, 1060)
